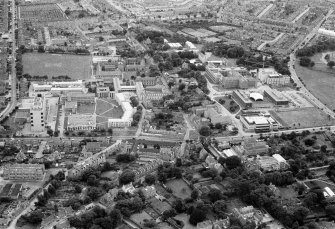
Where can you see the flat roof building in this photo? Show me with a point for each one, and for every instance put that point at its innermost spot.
(276, 97)
(80, 122)
(24, 172)
(242, 98)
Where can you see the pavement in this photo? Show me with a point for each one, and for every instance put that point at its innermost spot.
(10, 107)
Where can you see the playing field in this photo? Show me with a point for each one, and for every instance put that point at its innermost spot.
(303, 118)
(40, 64)
(319, 80)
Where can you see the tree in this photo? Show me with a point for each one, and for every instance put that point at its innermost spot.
(133, 101)
(50, 132)
(215, 195)
(233, 162)
(94, 193)
(77, 189)
(168, 214)
(92, 180)
(205, 131)
(194, 194)
(126, 177)
(150, 179)
(220, 208)
(51, 189)
(197, 216)
(331, 64)
(181, 87)
(116, 218)
(179, 205)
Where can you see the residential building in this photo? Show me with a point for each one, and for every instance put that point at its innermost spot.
(24, 172)
(267, 163)
(248, 213)
(254, 147)
(218, 224)
(108, 199)
(149, 191)
(281, 161)
(129, 188)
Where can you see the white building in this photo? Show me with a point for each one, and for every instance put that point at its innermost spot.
(259, 123)
(37, 115)
(81, 122)
(56, 88)
(128, 111)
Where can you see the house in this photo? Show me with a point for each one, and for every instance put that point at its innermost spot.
(108, 199)
(149, 191)
(248, 214)
(129, 188)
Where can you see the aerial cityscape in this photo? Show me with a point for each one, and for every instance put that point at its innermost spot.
(175, 114)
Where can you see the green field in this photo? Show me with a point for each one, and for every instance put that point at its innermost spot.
(40, 64)
(319, 80)
(303, 118)
(180, 188)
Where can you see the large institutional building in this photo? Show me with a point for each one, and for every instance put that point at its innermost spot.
(24, 172)
(230, 78)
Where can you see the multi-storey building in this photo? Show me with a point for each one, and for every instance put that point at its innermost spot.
(128, 111)
(37, 115)
(242, 98)
(24, 172)
(276, 97)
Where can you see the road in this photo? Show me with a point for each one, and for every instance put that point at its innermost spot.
(294, 75)
(10, 107)
(12, 225)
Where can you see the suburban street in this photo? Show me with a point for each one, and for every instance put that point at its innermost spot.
(10, 107)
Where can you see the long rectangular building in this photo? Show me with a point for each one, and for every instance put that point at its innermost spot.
(24, 172)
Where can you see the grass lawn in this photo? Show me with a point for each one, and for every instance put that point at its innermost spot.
(287, 193)
(86, 108)
(320, 80)
(139, 218)
(228, 103)
(306, 117)
(40, 64)
(180, 188)
(185, 218)
(158, 205)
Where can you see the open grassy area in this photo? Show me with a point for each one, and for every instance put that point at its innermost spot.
(40, 64)
(303, 118)
(106, 109)
(319, 80)
(180, 188)
(140, 218)
(86, 108)
(228, 103)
